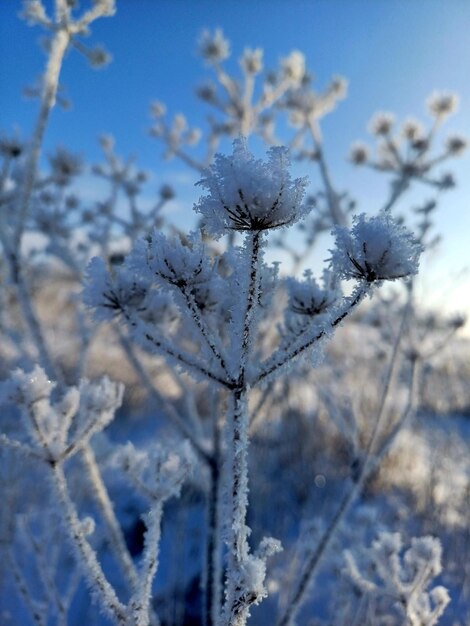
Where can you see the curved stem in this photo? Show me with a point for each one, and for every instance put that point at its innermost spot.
(369, 465)
(117, 541)
(86, 555)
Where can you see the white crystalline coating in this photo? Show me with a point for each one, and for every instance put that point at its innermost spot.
(401, 579)
(214, 47)
(252, 60)
(376, 248)
(26, 388)
(381, 123)
(425, 551)
(307, 297)
(248, 194)
(107, 294)
(156, 472)
(293, 66)
(441, 105)
(82, 412)
(358, 153)
(102, 396)
(171, 260)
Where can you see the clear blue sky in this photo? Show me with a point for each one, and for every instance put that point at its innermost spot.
(394, 53)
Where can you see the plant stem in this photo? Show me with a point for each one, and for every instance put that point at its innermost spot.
(86, 555)
(368, 466)
(117, 541)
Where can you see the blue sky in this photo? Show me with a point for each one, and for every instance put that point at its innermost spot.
(393, 52)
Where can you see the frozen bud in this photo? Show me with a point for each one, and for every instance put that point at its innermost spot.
(157, 472)
(65, 165)
(376, 248)
(412, 130)
(293, 66)
(26, 388)
(100, 396)
(108, 295)
(421, 144)
(248, 194)
(306, 297)
(214, 48)
(441, 105)
(268, 547)
(381, 124)
(456, 144)
(33, 12)
(339, 87)
(166, 192)
(107, 7)
(252, 60)
(172, 260)
(157, 109)
(99, 57)
(358, 154)
(440, 597)
(447, 181)
(11, 147)
(425, 551)
(206, 92)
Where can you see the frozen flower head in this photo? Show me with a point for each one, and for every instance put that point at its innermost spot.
(339, 87)
(412, 130)
(381, 124)
(213, 47)
(293, 66)
(99, 57)
(155, 471)
(307, 297)
(34, 12)
(11, 147)
(157, 109)
(446, 181)
(207, 91)
(110, 294)
(359, 154)
(456, 145)
(167, 192)
(172, 260)
(441, 105)
(251, 61)
(65, 165)
(248, 194)
(376, 248)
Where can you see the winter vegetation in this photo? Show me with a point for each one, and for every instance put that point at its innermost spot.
(194, 434)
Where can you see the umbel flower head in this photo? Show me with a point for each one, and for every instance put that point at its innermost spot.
(376, 248)
(248, 194)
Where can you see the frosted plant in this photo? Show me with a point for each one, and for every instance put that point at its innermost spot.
(402, 578)
(60, 428)
(252, 197)
(218, 315)
(407, 152)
